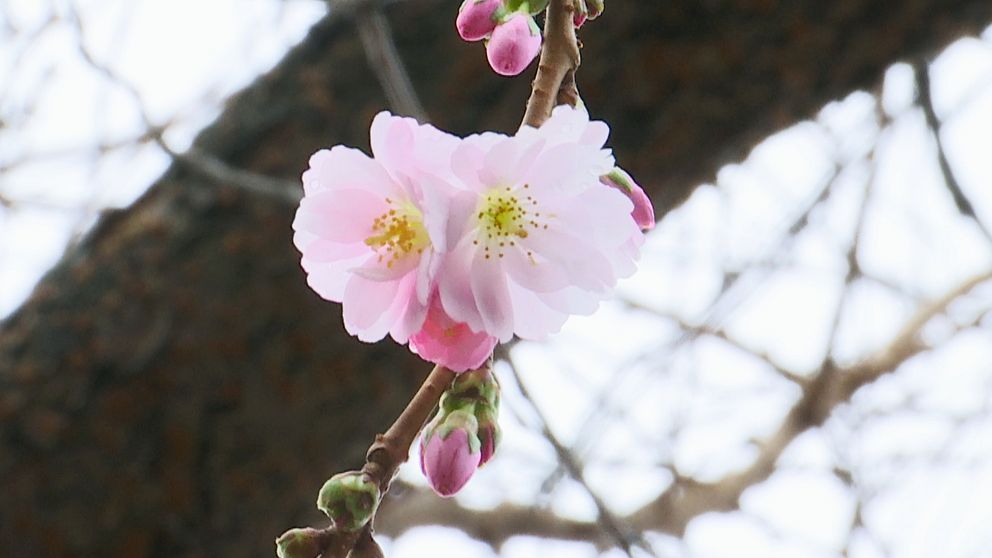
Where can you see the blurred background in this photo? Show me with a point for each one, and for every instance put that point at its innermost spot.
(802, 367)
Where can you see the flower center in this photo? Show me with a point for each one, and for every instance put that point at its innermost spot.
(398, 233)
(505, 215)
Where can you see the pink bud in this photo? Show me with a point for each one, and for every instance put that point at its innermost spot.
(450, 452)
(451, 344)
(514, 45)
(643, 212)
(477, 19)
(579, 18)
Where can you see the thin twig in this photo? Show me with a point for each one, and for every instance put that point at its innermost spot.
(287, 191)
(922, 70)
(611, 524)
(384, 457)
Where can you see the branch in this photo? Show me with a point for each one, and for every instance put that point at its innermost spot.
(380, 51)
(559, 60)
(686, 499)
(287, 191)
(922, 70)
(384, 457)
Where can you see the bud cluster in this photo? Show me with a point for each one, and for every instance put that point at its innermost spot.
(349, 500)
(586, 10)
(512, 37)
(464, 434)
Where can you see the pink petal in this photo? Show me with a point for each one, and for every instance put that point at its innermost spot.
(454, 286)
(533, 319)
(392, 141)
(449, 462)
(572, 300)
(344, 167)
(340, 215)
(534, 272)
(451, 344)
(499, 163)
(365, 302)
(411, 317)
(491, 297)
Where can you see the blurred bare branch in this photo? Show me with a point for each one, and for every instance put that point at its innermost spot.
(380, 50)
(286, 191)
(685, 499)
(964, 205)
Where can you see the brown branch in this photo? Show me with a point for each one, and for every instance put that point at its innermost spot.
(419, 506)
(384, 457)
(390, 450)
(559, 60)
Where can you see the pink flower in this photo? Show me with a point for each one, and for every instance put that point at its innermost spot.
(514, 44)
(450, 452)
(451, 344)
(643, 212)
(477, 18)
(371, 230)
(534, 236)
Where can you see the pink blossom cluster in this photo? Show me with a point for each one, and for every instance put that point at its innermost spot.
(453, 244)
(512, 36)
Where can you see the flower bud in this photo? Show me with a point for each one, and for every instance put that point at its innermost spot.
(298, 543)
(349, 500)
(451, 344)
(594, 8)
(477, 384)
(450, 452)
(477, 18)
(514, 44)
(489, 432)
(643, 212)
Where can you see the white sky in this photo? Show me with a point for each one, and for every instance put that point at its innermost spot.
(713, 398)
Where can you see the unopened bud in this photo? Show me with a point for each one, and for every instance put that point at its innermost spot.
(477, 18)
(643, 212)
(298, 543)
(489, 431)
(349, 500)
(476, 385)
(594, 8)
(514, 44)
(450, 452)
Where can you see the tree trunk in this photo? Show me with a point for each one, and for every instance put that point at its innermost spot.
(173, 388)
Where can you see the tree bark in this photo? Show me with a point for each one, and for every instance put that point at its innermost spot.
(173, 388)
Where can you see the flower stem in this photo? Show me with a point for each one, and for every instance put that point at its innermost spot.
(391, 449)
(560, 58)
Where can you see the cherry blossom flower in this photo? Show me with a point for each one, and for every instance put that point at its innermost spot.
(535, 236)
(371, 230)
